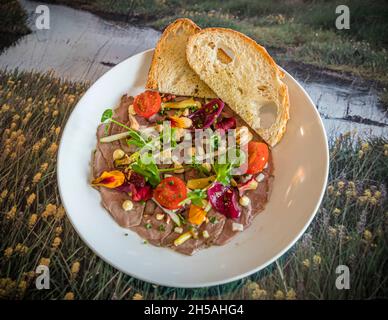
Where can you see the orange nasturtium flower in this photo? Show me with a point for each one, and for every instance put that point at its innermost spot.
(180, 122)
(196, 214)
(109, 179)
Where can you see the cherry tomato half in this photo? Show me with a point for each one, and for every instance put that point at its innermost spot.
(147, 103)
(170, 192)
(257, 156)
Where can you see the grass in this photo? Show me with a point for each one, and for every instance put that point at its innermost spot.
(350, 227)
(12, 23)
(291, 29)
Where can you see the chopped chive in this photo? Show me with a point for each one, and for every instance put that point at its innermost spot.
(213, 220)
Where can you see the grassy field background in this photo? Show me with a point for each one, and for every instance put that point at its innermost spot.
(350, 227)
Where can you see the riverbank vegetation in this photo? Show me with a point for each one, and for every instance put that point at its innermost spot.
(13, 23)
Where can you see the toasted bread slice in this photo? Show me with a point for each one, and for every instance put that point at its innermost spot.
(170, 72)
(244, 75)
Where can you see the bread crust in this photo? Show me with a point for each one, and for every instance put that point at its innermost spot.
(280, 127)
(171, 28)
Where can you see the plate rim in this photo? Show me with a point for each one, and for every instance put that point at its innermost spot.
(209, 283)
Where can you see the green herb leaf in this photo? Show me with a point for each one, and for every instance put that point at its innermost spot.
(215, 141)
(199, 167)
(107, 115)
(223, 172)
(193, 108)
(196, 197)
(147, 168)
(213, 219)
(136, 139)
(168, 136)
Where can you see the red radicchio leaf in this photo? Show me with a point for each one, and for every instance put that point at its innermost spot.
(204, 117)
(137, 180)
(138, 187)
(224, 200)
(226, 124)
(142, 193)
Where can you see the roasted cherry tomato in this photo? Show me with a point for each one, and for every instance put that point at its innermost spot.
(170, 192)
(257, 156)
(147, 103)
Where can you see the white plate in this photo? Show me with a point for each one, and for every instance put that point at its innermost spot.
(301, 168)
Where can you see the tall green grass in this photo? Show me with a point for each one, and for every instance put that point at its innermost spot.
(350, 227)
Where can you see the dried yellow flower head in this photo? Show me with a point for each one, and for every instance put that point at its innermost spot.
(279, 295)
(56, 242)
(75, 267)
(291, 294)
(69, 296)
(22, 286)
(317, 259)
(377, 194)
(31, 198)
(367, 193)
(368, 235)
(11, 213)
(332, 231)
(36, 147)
(137, 296)
(37, 177)
(51, 208)
(52, 149)
(4, 193)
(60, 213)
(365, 146)
(44, 261)
(32, 220)
(58, 230)
(8, 252)
(306, 263)
(336, 211)
(373, 201)
(21, 248)
(44, 167)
